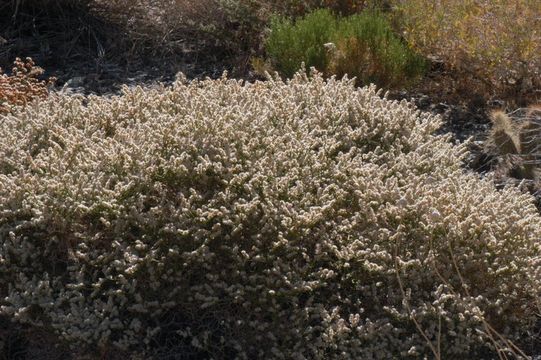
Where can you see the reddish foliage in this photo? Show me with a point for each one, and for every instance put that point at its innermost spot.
(22, 85)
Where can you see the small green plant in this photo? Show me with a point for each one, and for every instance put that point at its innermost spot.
(367, 48)
(361, 45)
(292, 43)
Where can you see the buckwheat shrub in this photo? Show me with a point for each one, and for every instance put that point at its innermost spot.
(22, 85)
(304, 219)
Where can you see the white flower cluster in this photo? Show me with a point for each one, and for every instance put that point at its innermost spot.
(304, 219)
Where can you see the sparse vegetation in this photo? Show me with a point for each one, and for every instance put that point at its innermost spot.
(492, 46)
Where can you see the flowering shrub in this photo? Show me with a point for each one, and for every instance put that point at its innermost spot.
(22, 85)
(304, 219)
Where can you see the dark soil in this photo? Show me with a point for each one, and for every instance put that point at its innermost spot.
(88, 53)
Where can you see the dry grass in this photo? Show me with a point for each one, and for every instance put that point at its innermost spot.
(493, 45)
(64, 32)
(60, 34)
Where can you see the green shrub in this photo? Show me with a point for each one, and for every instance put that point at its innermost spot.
(294, 42)
(267, 220)
(367, 48)
(361, 45)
